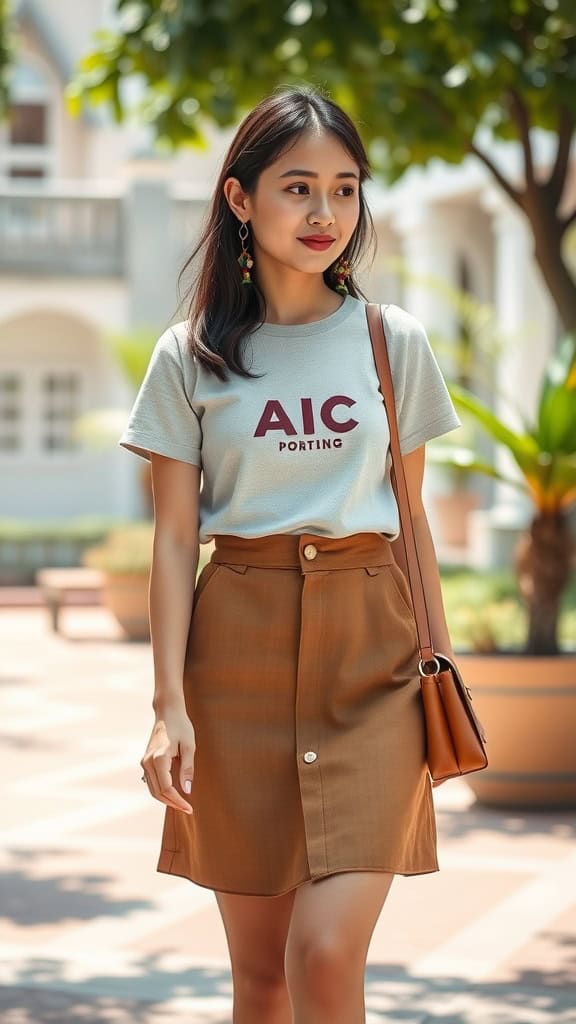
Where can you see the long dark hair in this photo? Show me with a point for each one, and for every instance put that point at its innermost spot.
(222, 311)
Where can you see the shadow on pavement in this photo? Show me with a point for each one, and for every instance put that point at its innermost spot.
(42, 995)
(453, 824)
(38, 901)
(149, 994)
(23, 741)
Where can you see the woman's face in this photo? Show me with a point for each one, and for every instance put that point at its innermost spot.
(312, 189)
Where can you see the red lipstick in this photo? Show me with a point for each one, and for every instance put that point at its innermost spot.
(317, 242)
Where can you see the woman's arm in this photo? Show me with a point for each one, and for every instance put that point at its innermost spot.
(414, 464)
(175, 487)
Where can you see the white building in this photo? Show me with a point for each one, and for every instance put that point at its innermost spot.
(91, 239)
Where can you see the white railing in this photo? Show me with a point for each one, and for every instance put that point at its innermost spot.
(61, 231)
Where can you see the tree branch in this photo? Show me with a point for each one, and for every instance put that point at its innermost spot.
(556, 181)
(516, 196)
(519, 113)
(567, 221)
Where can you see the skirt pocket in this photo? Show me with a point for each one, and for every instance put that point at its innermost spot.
(394, 609)
(401, 586)
(207, 574)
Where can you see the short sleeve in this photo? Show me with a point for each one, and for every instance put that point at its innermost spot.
(162, 419)
(423, 405)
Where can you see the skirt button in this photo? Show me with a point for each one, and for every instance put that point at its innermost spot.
(310, 552)
(310, 756)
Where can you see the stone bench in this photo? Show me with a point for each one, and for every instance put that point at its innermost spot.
(57, 585)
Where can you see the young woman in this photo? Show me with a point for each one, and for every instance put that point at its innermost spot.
(288, 740)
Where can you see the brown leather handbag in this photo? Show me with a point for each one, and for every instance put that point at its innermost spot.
(455, 738)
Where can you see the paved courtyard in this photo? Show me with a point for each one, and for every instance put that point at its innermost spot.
(92, 934)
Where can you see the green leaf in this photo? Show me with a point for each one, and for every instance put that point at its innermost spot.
(467, 460)
(523, 448)
(132, 350)
(556, 425)
(563, 481)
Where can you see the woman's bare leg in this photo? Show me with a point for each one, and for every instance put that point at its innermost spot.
(256, 928)
(327, 944)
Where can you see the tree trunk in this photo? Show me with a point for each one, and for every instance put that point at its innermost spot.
(543, 561)
(548, 254)
(540, 202)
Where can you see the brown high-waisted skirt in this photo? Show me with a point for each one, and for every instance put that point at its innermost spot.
(301, 681)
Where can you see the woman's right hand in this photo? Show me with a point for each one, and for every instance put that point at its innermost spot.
(172, 738)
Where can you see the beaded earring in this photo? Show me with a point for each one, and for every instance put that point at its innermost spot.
(245, 259)
(342, 270)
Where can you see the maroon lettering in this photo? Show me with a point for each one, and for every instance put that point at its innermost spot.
(267, 422)
(275, 417)
(309, 446)
(307, 415)
(329, 421)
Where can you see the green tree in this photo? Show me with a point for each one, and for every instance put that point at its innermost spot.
(422, 78)
(5, 54)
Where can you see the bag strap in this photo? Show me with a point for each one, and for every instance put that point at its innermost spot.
(398, 479)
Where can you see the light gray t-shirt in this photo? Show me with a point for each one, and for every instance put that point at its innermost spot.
(305, 447)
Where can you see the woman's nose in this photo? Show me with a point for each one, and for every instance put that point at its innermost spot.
(322, 214)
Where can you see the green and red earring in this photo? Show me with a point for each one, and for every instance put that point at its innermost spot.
(342, 269)
(245, 259)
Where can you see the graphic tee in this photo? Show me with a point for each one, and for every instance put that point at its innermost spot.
(303, 448)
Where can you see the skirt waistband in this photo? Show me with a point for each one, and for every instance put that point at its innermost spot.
(307, 551)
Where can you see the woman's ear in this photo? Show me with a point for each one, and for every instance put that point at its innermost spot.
(236, 198)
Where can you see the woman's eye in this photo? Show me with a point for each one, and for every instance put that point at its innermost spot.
(349, 190)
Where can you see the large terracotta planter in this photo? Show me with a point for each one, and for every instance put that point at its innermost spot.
(126, 596)
(528, 708)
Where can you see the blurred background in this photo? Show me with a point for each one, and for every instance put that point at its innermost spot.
(97, 216)
(115, 116)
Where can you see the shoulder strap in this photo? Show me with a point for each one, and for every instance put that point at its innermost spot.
(398, 478)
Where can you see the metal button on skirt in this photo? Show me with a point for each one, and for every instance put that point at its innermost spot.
(301, 681)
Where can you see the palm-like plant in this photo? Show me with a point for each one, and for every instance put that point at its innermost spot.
(545, 453)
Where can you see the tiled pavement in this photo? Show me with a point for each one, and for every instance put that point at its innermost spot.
(92, 934)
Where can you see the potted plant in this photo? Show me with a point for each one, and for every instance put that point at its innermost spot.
(454, 500)
(526, 696)
(125, 558)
